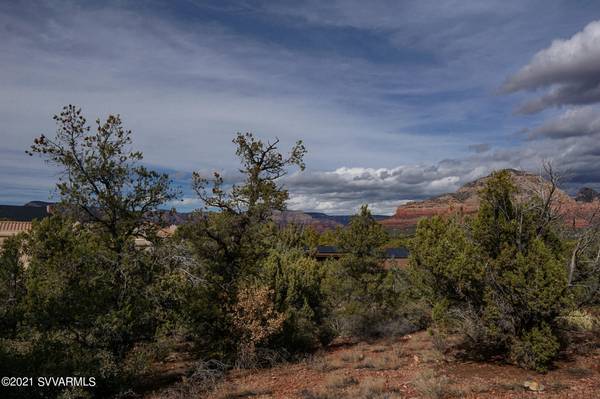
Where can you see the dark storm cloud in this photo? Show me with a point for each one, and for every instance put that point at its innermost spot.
(578, 122)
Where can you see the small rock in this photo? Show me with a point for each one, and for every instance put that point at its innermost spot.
(533, 386)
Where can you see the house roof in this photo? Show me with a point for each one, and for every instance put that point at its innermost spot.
(22, 213)
(9, 228)
(388, 253)
(327, 249)
(396, 253)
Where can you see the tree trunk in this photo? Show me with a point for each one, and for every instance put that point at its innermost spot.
(573, 262)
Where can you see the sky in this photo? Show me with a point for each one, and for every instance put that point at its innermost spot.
(394, 100)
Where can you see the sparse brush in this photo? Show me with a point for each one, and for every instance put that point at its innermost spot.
(387, 362)
(340, 381)
(308, 394)
(322, 364)
(206, 374)
(431, 385)
(353, 357)
(245, 392)
(367, 363)
(372, 388)
(439, 340)
(399, 352)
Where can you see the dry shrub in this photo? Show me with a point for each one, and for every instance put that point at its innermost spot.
(439, 340)
(206, 377)
(387, 362)
(372, 388)
(308, 394)
(353, 356)
(431, 385)
(432, 356)
(580, 320)
(322, 364)
(256, 320)
(244, 392)
(399, 352)
(340, 381)
(367, 363)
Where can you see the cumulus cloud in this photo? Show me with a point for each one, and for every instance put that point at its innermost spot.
(345, 189)
(569, 69)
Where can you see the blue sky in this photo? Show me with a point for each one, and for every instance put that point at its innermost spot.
(395, 100)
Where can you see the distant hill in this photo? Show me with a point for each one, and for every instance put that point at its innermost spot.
(587, 194)
(17, 213)
(320, 221)
(341, 219)
(38, 204)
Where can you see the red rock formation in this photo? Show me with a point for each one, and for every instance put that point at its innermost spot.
(466, 202)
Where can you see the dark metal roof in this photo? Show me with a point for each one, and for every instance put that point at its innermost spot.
(388, 253)
(327, 249)
(22, 213)
(396, 253)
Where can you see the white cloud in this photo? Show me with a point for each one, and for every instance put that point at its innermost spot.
(569, 68)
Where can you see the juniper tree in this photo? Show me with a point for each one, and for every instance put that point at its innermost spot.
(356, 282)
(501, 277)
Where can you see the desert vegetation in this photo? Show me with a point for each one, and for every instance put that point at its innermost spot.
(237, 294)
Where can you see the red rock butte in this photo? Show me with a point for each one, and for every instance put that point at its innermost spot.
(465, 201)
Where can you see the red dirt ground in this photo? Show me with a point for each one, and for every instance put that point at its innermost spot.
(392, 368)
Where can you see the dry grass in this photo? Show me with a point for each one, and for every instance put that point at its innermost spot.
(308, 394)
(371, 385)
(579, 372)
(439, 341)
(373, 388)
(323, 364)
(339, 381)
(354, 356)
(431, 385)
(399, 351)
(367, 363)
(244, 392)
(388, 362)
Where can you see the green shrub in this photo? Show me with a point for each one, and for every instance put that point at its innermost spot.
(500, 278)
(296, 282)
(535, 349)
(85, 310)
(12, 285)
